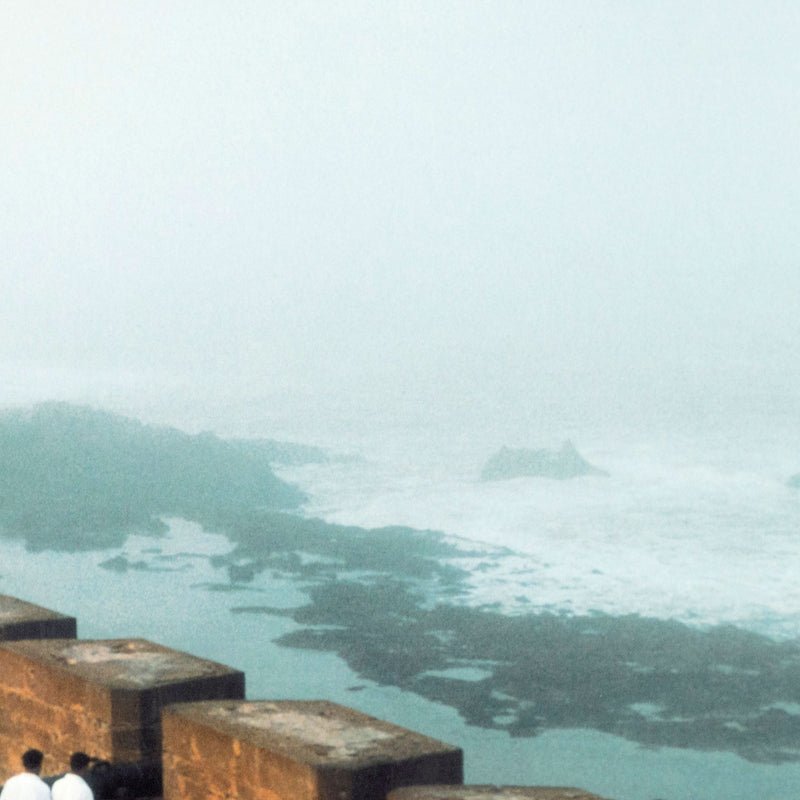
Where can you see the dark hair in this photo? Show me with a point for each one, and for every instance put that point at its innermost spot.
(32, 759)
(78, 761)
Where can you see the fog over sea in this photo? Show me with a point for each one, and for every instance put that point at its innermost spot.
(412, 234)
(694, 522)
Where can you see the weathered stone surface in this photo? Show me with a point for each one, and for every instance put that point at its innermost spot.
(481, 792)
(294, 750)
(101, 696)
(22, 620)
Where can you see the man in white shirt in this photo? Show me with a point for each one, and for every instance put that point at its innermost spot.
(73, 785)
(27, 785)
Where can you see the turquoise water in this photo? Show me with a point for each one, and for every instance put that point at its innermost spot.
(186, 606)
(694, 524)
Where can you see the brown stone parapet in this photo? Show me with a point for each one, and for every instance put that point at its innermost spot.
(485, 792)
(101, 696)
(22, 620)
(294, 750)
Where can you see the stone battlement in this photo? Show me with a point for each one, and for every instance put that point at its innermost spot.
(131, 701)
(21, 620)
(300, 750)
(476, 792)
(106, 695)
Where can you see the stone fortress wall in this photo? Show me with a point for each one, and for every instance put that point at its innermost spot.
(150, 710)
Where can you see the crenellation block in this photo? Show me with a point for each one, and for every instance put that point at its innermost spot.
(294, 750)
(486, 792)
(101, 696)
(22, 620)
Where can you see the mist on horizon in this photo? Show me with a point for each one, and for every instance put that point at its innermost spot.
(428, 203)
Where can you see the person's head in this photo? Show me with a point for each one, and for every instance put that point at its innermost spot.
(79, 762)
(32, 760)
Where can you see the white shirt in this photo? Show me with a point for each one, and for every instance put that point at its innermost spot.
(72, 787)
(25, 786)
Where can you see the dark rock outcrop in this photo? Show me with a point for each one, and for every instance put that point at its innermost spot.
(75, 478)
(559, 464)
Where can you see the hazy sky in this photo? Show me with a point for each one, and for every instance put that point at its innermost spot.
(403, 193)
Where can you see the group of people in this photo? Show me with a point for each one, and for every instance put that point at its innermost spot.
(28, 785)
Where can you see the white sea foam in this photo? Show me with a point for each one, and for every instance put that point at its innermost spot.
(695, 521)
(699, 530)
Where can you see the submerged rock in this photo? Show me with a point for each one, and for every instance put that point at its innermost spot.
(652, 681)
(559, 464)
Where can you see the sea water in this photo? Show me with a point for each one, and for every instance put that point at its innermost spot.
(694, 522)
(685, 530)
(182, 608)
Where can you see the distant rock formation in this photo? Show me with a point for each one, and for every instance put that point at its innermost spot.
(559, 464)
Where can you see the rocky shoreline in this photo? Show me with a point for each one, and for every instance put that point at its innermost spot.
(394, 605)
